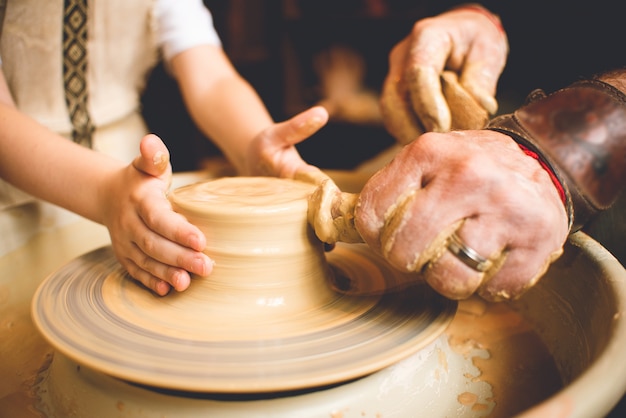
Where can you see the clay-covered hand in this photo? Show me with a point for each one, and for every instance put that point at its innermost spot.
(468, 42)
(273, 151)
(479, 185)
(156, 245)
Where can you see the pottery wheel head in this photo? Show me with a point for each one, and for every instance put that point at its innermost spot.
(271, 316)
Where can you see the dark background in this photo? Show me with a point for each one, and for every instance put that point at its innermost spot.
(272, 44)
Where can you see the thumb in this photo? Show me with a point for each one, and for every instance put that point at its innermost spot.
(480, 82)
(154, 157)
(427, 99)
(467, 113)
(303, 125)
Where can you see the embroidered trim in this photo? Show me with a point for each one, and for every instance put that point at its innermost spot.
(75, 70)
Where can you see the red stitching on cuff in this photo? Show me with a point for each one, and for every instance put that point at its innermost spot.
(495, 19)
(545, 166)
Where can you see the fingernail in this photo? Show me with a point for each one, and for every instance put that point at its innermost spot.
(317, 121)
(162, 288)
(195, 242)
(313, 123)
(202, 266)
(181, 280)
(491, 105)
(159, 159)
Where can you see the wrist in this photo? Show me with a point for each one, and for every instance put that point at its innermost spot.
(580, 133)
(615, 78)
(555, 180)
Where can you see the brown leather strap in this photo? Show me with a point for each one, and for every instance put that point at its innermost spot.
(580, 133)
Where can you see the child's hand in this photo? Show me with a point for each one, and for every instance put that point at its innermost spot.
(273, 151)
(156, 245)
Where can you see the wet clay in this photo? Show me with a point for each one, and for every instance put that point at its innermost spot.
(509, 356)
(500, 344)
(266, 319)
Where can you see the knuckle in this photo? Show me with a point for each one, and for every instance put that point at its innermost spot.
(143, 262)
(133, 270)
(151, 217)
(421, 25)
(148, 245)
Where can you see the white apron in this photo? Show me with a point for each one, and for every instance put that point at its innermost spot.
(121, 51)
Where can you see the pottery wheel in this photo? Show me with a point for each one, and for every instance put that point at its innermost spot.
(94, 313)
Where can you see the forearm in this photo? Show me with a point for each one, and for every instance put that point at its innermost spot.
(223, 105)
(580, 133)
(51, 167)
(233, 117)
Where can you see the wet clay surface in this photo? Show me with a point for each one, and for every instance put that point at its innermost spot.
(509, 355)
(504, 348)
(518, 365)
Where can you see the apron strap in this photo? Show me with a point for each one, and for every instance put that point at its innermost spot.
(75, 69)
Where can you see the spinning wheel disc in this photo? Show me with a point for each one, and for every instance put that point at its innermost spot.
(91, 311)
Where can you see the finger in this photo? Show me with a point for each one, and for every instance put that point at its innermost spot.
(147, 266)
(398, 117)
(466, 112)
(154, 158)
(385, 189)
(151, 282)
(302, 126)
(428, 100)
(484, 63)
(168, 261)
(157, 215)
(481, 82)
(463, 264)
(168, 238)
(535, 242)
(428, 55)
(420, 211)
(169, 252)
(395, 105)
(520, 272)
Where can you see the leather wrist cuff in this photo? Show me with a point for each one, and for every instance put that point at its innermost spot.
(579, 132)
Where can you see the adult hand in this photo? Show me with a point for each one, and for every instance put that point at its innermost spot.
(478, 185)
(156, 245)
(273, 151)
(468, 41)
